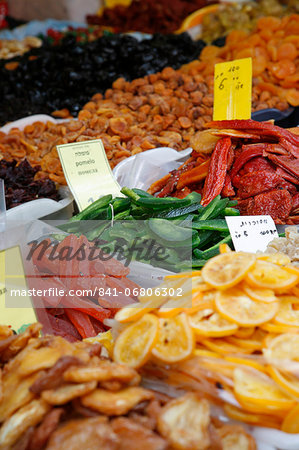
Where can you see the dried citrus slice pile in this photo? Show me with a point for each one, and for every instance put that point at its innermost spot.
(236, 324)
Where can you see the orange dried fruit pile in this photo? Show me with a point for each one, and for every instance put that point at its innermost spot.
(240, 328)
(274, 49)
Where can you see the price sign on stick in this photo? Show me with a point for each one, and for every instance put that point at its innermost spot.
(15, 304)
(251, 233)
(87, 171)
(232, 90)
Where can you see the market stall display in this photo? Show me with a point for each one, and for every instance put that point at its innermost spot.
(251, 162)
(239, 333)
(58, 395)
(35, 83)
(197, 349)
(242, 16)
(148, 16)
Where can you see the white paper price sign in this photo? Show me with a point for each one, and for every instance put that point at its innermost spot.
(87, 171)
(251, 233)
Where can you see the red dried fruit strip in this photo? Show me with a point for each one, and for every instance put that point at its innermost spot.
(82, 322)
(264, 128)
(249, 152)
(85, 307)
(217, 171)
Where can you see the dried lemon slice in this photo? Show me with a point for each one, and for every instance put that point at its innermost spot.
(255, 419)
(256, 388)
(278, 329)
(175, 340)
(244, 333)
(287, 382)
(237, 307)
(291, 422)
(133, 312)
(210, 323)
(133, 346)
(287, 314)
(276, 258)
(228, 269)
(261, 295)
(283, 351)
(271, 276)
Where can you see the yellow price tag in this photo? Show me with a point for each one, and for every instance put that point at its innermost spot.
(15, 304)
(232, 90)
(87, 171)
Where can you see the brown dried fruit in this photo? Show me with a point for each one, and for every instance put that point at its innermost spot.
(116, 403)
(185, 421)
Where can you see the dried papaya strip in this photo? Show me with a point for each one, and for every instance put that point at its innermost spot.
(217, 171)
(159, 184)
(194, 175)
(249, 152)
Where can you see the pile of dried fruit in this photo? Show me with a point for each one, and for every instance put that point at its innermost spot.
(21, 183)
(236, 327)
(160, 110)
(242, 16)
(56, 395)
(87, 286)
(273, 47)
(35, 83)
(148, 16)
(255, 163)
(11, 48)
(288, 245)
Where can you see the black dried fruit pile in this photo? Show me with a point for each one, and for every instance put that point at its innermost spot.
(20, 186)
(66, 76)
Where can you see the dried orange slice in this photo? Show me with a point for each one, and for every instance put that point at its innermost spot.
(133, 312)
(266, 275)
(250, 344)
(238, 307)
(255, 419)
(283, 351)
(244, 333)
(210, 323)
(256, 388)
(133, 346)
(223, 347)
(291, 422)
(276, 258)
(203, 352)
(261, 295)
(287, 314)
(292, 269)
(278, 329)
(175, 306)
(228, 269)
(246, 362)
(175, 340)
(287, 382)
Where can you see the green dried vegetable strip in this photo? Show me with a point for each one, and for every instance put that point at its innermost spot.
(215, 225)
